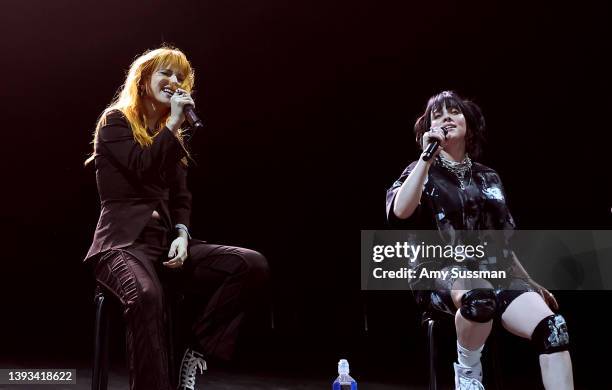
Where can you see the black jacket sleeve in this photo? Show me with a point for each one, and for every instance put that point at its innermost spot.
(180, 197)
(117, 142)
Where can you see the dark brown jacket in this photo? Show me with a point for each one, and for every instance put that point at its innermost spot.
(133, 181)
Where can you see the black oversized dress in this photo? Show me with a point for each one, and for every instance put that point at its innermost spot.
(471, 214)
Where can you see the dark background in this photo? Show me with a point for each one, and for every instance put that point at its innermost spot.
(309, 107)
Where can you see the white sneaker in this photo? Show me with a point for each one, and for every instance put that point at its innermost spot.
(467, 378)
(192, 362)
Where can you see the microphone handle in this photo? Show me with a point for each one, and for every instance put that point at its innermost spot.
(433, 146)
(430, 150)
(192, 117)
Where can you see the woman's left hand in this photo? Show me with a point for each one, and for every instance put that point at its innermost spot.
(177, 252)
(548, 297)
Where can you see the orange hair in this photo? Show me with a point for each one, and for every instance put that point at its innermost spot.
(128, 100)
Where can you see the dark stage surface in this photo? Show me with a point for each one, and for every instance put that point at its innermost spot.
(221, 379)
(309, 108)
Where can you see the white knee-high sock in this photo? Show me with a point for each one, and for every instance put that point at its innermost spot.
(468, 358)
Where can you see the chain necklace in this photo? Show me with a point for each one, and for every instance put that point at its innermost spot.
(462, 169)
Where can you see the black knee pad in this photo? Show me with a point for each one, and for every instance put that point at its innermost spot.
(479, 305)
(551, 335)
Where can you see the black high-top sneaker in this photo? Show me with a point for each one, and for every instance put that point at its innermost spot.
(192, 362)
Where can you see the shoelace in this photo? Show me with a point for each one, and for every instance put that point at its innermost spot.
(192, 361)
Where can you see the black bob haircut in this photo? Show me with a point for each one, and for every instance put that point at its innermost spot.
(474, 120)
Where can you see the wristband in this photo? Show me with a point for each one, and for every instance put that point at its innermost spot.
(180, 226)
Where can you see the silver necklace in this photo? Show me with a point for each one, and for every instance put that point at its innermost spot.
(461, 169)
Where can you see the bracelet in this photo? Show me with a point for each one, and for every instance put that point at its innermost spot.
(180, 226)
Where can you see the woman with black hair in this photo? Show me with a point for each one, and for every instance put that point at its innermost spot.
(461, 199)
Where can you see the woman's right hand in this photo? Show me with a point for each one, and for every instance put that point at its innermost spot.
(434, 133)
(178, 101)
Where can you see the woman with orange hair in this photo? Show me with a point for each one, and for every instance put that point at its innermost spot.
(142, 235)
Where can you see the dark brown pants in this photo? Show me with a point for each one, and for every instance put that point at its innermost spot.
(218, 283)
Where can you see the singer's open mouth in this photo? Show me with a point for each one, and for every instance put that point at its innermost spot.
(167, 90)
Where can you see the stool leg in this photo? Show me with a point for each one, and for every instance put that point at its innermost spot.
(100, 369)
(496, 367)
(171, 352)
(433, 385)
(272, 317)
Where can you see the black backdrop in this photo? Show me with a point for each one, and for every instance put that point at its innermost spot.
(309, 107)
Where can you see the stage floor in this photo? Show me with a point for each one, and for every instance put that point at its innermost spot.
(217, 380)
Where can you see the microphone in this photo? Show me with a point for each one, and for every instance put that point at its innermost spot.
(192, 117)
(433, 146)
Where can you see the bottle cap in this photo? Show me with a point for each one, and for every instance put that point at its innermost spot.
(343, 367)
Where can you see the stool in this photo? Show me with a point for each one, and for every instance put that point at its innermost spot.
(102, 297)
(429, 318)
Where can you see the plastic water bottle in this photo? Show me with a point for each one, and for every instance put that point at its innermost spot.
(344, 380)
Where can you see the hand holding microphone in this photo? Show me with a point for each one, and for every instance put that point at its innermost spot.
(181, 109)
(189, 112)
(432, 140)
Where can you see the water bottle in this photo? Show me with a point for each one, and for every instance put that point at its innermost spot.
(344, 380)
